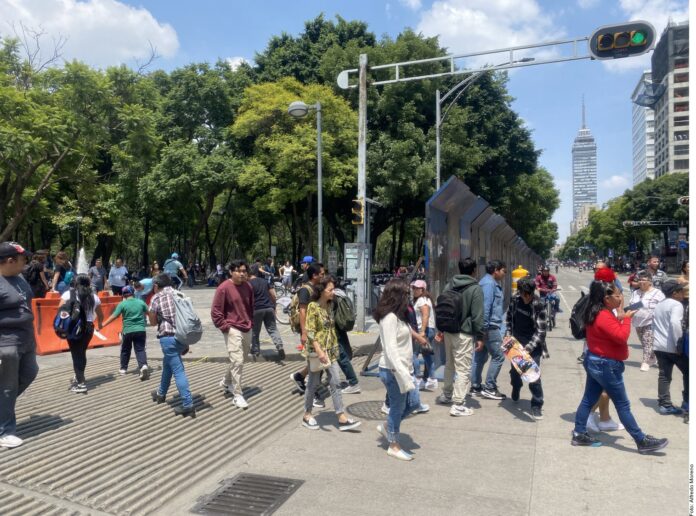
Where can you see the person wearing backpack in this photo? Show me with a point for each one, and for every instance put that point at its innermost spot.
(232, 313)
(34, 274)
(134, 311)
(162, 313)
(459, 316)
(18, 367)
(344, 319)
(89, 308)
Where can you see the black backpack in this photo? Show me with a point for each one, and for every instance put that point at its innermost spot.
(70, 321)
(448, 309)
(577, 314)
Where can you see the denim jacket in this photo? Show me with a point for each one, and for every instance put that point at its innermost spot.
(492, 303)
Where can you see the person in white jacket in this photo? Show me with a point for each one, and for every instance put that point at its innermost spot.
(396, 362)
(643, 319)
(667, 332)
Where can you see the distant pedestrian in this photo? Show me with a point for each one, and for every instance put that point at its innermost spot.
(493, 331)
(668, 334)
(396, 362)
(286, 274)
(526, 321)
(643, 319)
(18, 367)
(90, 309)
(425, 322)
(155, 269)
(172, 267)
(683, 279)
(232, 313)
(162, 313)
(143, 288)
(323, 343)
(657, 276)
(607, 341)
(459, 347)
(62, 272)
(134, 312)
(34, 273)
(191, 275)
(118, 277)
(220, 274)
(264, 314)
(97, 275)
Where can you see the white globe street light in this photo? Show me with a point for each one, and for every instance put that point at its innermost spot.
(299, 109)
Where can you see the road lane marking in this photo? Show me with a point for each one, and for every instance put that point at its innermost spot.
(565, 302)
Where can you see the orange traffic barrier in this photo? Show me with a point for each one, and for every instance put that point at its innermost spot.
(47, 342)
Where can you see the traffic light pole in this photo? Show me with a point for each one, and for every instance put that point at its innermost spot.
(361, 289)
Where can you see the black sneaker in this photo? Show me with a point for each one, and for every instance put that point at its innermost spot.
(299, 381)
(185, 411)
(584, 440)
(536, 413)
(476, 390)
(281, 354)
(493, 394)
(515, 394)
(651, 444)
(157, 397)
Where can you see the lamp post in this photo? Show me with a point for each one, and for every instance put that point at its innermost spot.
(462, 86)
(299, 109)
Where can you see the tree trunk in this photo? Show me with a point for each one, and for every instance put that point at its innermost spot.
(146, 243)
(402, 230)
(392, 253)
(104, 248)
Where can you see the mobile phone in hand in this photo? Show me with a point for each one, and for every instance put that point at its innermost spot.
(634, 306)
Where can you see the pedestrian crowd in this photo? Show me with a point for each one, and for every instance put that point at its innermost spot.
(467, 326)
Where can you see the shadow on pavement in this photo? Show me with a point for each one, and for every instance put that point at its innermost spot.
(40, 423)
(521, 410)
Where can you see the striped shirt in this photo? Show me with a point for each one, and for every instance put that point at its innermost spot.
(162, 304)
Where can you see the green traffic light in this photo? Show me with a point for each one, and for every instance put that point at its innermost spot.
(638, 38)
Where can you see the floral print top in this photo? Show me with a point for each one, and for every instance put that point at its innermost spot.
(321, 328)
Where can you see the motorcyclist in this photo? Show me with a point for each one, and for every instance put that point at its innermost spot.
(547, 286)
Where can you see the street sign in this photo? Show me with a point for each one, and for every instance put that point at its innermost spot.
(333, 260)
(683, 244)
(633, 223)
(273, 251)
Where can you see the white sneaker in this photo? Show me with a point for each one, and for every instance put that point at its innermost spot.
(122, 371)
(144, 373)
(460, 410)
(240, 401)
(351, 389)
(10, 441)
(431, 384)
(422, 409)
(401, 454)
(385, 409)
(645, 367)
(592, 423)
(420, 384)
(609, 426)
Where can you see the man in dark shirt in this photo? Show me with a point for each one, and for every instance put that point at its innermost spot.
(526, 321)
(264, 314)
(18, 366)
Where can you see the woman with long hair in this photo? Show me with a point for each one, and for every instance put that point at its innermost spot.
(61, 268)
(425, 318)
(607, 348)
(396, 362)
(323, 341)
(81, 291)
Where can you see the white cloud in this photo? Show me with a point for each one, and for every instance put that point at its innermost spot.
(617, 183)
(657, 12)
(235, 62)
(587, 4)
(414, 5)
(466, 26)
(99, 32)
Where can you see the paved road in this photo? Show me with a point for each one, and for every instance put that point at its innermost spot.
(113, 451)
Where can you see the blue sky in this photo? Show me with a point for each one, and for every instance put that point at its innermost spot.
(548, 97)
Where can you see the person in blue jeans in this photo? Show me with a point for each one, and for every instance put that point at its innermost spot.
(493, 329)
(162, 313)
(607, 348)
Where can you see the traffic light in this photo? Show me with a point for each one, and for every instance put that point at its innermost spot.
(683, 201)
(622, 40)
(358, 210)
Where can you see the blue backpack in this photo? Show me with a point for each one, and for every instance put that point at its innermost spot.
(70, 321)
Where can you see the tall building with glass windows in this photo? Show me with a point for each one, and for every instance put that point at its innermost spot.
(643, 130)
(584, 168)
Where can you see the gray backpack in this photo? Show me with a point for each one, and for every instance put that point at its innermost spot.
(188, 326)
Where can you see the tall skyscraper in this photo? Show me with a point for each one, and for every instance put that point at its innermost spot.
(643, 130)
(584, 168)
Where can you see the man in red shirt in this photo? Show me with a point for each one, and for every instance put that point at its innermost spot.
(233, 314)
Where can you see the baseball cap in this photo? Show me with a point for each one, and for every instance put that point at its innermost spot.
(308, 259)
(175, 256)
(671, 286)
(8, 249)
(419, 283)
(127, 291)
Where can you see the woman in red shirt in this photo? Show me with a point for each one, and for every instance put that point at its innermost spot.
(607, 343)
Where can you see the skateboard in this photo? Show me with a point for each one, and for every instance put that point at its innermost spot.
(521, 360)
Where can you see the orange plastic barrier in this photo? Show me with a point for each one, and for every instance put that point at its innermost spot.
(45, 310)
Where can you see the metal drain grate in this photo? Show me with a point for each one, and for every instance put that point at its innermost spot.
(249, 495)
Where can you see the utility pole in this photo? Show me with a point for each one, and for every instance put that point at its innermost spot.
(363, 262)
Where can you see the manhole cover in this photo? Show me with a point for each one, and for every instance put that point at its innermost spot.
(249, 495)
(371, 410)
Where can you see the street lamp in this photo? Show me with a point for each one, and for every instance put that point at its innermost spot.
(299, 109)
(440, 118)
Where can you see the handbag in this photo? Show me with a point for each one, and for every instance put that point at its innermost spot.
(316, 365)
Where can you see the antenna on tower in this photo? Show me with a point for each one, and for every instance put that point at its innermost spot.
(583, 112)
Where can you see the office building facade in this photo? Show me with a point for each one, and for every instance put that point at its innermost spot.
(643, 131)
(584, 168)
